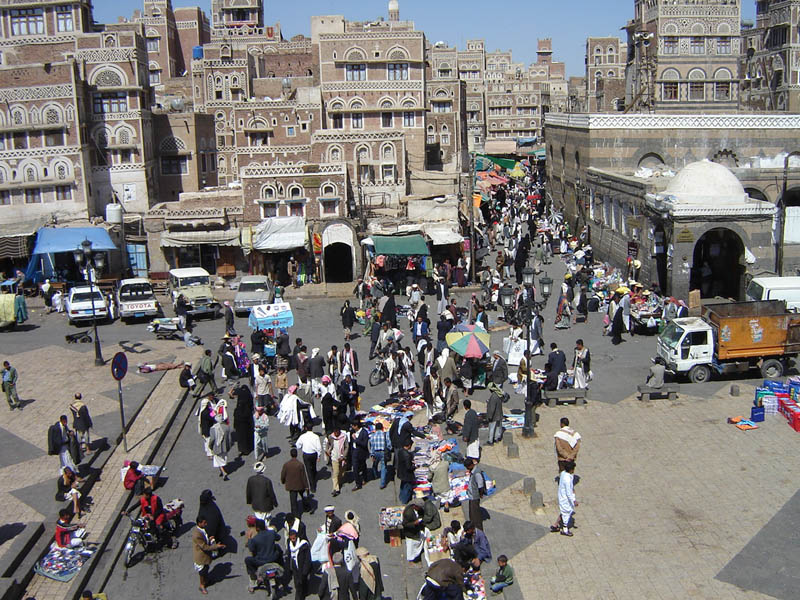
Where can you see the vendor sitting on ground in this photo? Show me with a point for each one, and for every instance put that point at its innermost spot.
(68, 535)
(136, 481)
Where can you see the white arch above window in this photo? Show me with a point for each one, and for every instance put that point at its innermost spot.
(355, 54)
(723, 74)
(724, 29)
(698, 29)
(670, 75)
(697, 74)
(670, 29)
(356, 103)
(328, 190)
(107, 76)
(268, 192)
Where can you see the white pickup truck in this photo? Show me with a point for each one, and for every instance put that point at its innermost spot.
(136, 299)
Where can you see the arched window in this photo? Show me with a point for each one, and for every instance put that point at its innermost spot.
(108, 78)
(268, 192)
(335, 154)
(61, 171)
(387, 152)
(124, 136)
(386, 104)
(329, 190)
(295, 192)
(362, 153)
(18, 116)
(30, 174)
(52, 116)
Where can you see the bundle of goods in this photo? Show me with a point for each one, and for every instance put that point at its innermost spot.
(474, 586)
(390, 517)
(435, 548)
(62, 564)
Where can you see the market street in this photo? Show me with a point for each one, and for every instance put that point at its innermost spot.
(646, 468)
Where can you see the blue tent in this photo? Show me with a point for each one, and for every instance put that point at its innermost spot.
(52, 240)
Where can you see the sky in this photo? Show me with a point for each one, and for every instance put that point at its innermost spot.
(515, 25)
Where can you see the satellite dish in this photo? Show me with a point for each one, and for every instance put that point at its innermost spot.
(177, 104)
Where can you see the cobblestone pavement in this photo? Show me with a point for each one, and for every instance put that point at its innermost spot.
(670, 494)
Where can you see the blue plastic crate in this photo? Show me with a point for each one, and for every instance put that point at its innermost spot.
(757, 414)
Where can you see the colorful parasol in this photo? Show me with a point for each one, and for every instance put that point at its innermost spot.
(470, 341)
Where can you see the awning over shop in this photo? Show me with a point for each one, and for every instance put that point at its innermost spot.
(278, 234)
(442, 234)
(65, 239)
(404, 245)
(14, 238)
(501, 147)
(179, 239)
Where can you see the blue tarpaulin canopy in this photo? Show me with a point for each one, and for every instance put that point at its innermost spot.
(52, 240)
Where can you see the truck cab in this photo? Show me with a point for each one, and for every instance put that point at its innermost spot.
(195, 285)
(687, 346)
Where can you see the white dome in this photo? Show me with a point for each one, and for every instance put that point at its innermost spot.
(703, 182)
(394, 5)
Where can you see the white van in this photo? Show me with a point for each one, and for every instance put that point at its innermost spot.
(776, 288)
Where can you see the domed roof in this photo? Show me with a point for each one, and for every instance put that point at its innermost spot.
(705, 181)
(394, 5)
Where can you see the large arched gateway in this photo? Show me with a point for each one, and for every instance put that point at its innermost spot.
(338, 253)
(718, 264)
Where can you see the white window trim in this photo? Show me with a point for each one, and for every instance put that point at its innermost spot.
(322, 213)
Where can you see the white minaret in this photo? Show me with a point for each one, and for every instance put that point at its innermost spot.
(394, 10)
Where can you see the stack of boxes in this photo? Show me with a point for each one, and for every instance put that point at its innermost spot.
(778, 397)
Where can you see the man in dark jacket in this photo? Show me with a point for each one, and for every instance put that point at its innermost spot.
(374, 336)
(348, 315)
(359, 451)
(209, 510)
(282, 347)
(185, 379)
(229, 319)
(469, 433)
(265, 549)
(405, 472)
(499, 369)
(293, 477)
(82, 421)
(494, 414)
(348, 394)
(259, 493)
(557, 359)
(299, 563)
(344, 580)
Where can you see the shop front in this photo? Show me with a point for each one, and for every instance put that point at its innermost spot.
(277, 240)
(216, 251)
(402, 260)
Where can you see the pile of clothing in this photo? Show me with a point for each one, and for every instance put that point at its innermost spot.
(391, 517)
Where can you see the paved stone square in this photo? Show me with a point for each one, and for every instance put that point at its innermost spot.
(674, 502)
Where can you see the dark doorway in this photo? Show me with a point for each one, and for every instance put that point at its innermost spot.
(718, 264)
(338, 263)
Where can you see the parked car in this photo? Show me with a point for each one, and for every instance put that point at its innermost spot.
(78, 306)
(253, 291)
(136, 299)
(195, 285)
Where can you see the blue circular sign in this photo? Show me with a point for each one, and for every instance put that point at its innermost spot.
(119, 366)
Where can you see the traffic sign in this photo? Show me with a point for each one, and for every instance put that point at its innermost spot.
(119, 366)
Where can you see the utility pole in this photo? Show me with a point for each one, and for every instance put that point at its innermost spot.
(471, 204)
(360, 195)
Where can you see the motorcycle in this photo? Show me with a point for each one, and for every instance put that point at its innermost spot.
(144, 532)
(379, 374)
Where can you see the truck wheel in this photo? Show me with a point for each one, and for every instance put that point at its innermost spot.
(771, 368)
(699, 374)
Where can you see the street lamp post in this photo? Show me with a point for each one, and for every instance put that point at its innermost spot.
(84, 256)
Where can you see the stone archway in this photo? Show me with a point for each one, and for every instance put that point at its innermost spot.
(338, 253)
(718, 264)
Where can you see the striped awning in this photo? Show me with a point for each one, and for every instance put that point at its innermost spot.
(15, 239)
(178, 239)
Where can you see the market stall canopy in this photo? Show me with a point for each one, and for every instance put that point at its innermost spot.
(177, 239)
(14, 238)
(271, 316)
(501, 147)
(50, 240)
(442, 234)
(403, 245)
(278, 234)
